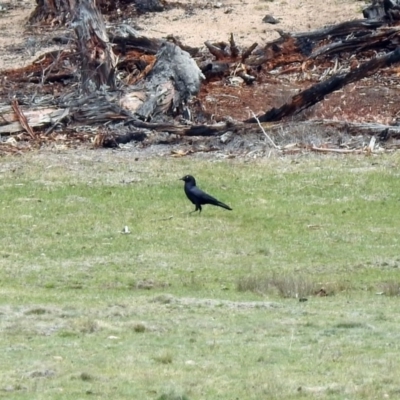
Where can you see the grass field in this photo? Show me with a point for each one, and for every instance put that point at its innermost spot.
(205, 306)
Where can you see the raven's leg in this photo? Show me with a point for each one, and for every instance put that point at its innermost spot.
(198, 207)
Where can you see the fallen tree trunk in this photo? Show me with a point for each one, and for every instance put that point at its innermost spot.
(298, 47)
(316, 93)
(343, 29)
(384, 39)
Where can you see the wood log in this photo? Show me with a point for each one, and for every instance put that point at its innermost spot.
(385, 39)
(35, 117)
(297, 47)
(316, 93)
(343, 29)
(138, 130)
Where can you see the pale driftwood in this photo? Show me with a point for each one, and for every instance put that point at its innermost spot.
(35, 117)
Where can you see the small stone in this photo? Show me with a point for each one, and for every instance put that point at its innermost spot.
(269, 19)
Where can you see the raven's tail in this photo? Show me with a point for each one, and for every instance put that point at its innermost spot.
(219, 203)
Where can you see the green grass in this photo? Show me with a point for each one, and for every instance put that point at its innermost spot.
(193, 306)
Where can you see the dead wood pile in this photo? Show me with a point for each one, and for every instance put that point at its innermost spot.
(116, 86)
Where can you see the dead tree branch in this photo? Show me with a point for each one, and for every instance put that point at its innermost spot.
(316, 93)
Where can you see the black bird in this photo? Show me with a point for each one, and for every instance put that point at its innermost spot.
(197, 196)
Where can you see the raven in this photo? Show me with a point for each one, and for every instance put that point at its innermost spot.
(197, 196)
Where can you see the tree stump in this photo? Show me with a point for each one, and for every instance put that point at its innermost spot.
(52, 11)
(59, 12)
(96, 56)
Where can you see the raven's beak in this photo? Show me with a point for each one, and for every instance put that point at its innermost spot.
(181, 179)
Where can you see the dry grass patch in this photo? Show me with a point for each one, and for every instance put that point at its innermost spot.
(165, 357)
(139, 327)
(390, 288)
(286, 286)
(86, 325)
(173, 394)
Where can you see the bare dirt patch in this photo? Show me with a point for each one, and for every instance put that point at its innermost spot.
(13, 17)
(215, 20)
(193, 22)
